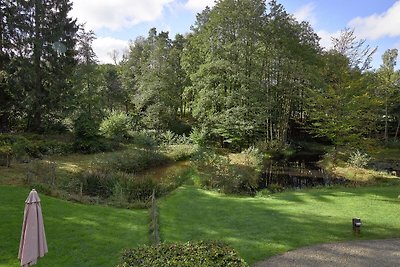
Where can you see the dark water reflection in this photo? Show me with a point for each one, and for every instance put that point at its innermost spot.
(300, 171)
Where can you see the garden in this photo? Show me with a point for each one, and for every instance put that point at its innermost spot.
(243, 139)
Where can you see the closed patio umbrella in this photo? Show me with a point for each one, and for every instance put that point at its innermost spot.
(33, 243)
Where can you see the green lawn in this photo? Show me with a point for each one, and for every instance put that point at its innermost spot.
(77, 235)
(261, 227)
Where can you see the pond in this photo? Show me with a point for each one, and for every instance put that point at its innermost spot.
(299, 171)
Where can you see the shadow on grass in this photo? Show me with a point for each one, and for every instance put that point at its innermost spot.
(261, 227)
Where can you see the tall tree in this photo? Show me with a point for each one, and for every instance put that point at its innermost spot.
(13, 61)
(390, 85)
(356, 50)
(51, 36)
(243, 60)
(343, 107)
(87, 77)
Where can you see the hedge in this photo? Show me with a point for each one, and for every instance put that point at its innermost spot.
(190, 254)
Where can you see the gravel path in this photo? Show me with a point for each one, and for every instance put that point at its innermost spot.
(380, 253)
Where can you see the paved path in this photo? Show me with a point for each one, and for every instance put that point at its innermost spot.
(381, 253)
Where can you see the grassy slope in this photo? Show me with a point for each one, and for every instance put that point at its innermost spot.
(261, 227)
(77, 235)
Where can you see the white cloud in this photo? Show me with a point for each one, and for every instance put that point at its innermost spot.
(117, 14)
(103, 46)
(326, 38)
(376, 26)
(306, 13)
(198, 5)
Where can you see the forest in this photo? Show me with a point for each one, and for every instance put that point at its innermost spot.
(247, 73)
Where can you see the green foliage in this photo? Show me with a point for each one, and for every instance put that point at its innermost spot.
(182, 152)
(86, 127)
(199, 136)
(253, 157)
(135, 160)
(358, 159)
(87, 139)
(41, 174)
(38, 63)
(115, 126)
(216, 172)
(169, 138)
(190, 254)
(343, 109)
(94, 145)
(98, 182)
(244, 61)
(143, 139)
(5, 155)
(25, 147)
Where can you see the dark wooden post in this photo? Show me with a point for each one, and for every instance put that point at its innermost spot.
(356, 225)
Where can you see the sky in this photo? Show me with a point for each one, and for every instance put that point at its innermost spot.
(116, 22)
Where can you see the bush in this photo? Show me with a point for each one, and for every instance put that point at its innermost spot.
(134, 161)
(94, 145)
(5, 155)
(86, 127)
(190, 254)
(140, 189)
(217, 173)
(122, 189)
(98, 182)
(41, 171)
(115, 126)
(87, 139)
(358, 159)
(22, 148)
(143, 139)
(182, 152)
(199, 136)
(168, 138)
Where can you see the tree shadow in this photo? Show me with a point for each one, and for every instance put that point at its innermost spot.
(259, 228)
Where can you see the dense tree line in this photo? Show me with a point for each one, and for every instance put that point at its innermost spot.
(247, 72)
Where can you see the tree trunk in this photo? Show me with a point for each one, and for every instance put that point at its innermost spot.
(386, 137)
(398, 128)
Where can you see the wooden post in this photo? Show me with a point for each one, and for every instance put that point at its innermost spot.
(356, 226)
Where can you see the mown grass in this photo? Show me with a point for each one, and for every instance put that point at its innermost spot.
(77, 235)
(262, 227)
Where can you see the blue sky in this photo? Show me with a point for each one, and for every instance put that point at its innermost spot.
(115, 22)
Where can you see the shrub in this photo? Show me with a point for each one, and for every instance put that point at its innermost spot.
(182, 152)
(217, 173)
(199, 136)
(98, 182)
(143, 139)
(94, 145)
(5, 155)
(140, 188)
(134, 161)
(86, 126)
(190, 254)
(358, 159)
(168, 138)
(253, 157)
(41, 171)
(115, 126)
